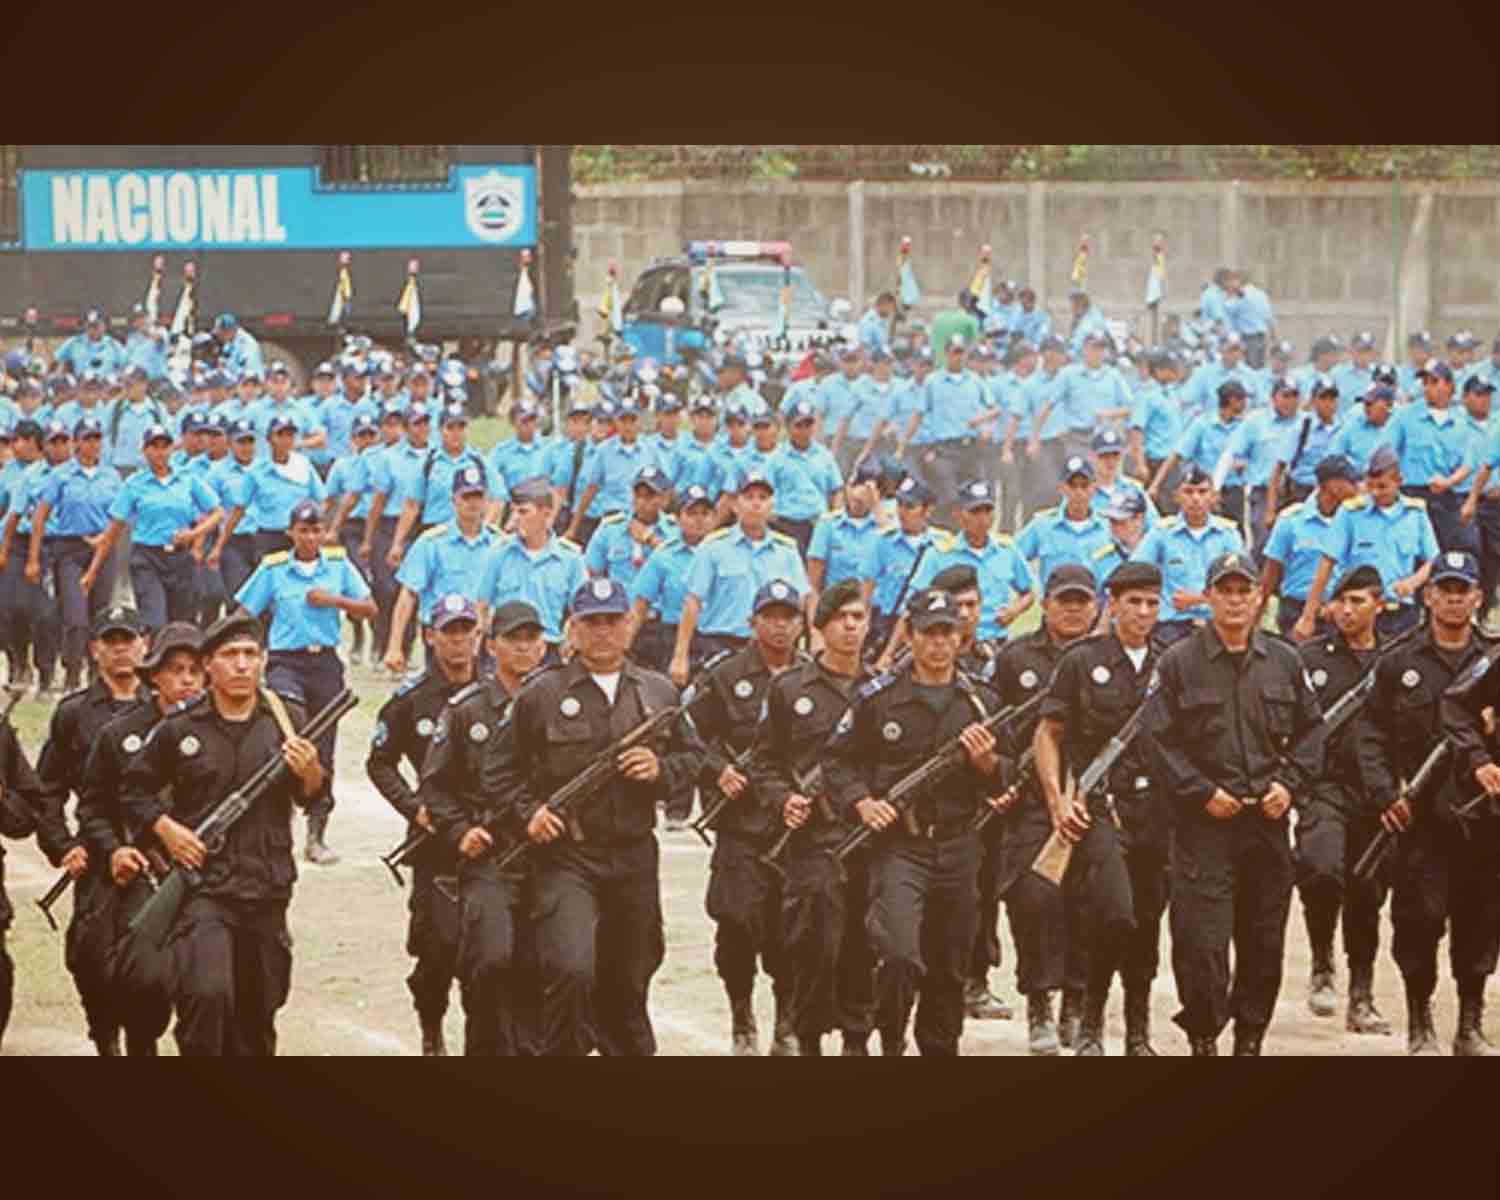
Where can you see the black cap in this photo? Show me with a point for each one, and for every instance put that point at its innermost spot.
(913, 491)
(1336, 466)
(1195, 474)
(1233, 563)
(1132, 575)
(117, 619)
(514, 615)
(1070, 577)
(454, 607)
(961, 577)
(1477, 383)
(931, 608)
(177, 635)
(1364, 576)
(844, 592)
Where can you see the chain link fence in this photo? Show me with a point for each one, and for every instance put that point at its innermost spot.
(1020, 163)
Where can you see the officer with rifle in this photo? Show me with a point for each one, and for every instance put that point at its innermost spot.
(233, 955)
(495, 950)
(1118, 827)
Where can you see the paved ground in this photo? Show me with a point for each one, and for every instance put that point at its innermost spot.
(349, 923)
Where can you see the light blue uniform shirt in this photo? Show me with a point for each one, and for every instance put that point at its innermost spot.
(700, 464)
(1092, 322)
(1250, 312)
(264, 410)
(270, 490)
(241, 354)
(1296, 542)
(1259, 440)
(1213, 305)
(430, 485)
(1103, 496)
(804, 480)
(612, 470)
(124, 425)
(1157, 413)
(909, 397)
(890, 560)
(873, 404)
(1394, 540)
(1203, 442)
(1003, 576)
(79, 498)
(559, 472)
(1034, 325)
(837, 397)
(280, 584)
(25, 491)
(662, 582)
(141, 350)
(1050, 540)
(874, 333)
(225, 478)
(1203, 388)
(614, 554)
(730, 568)
(1352, 382)
(337, 415)
(513, 461)
(950, 402)
(443, 562)
(1357, 438)
(350, 476)
(158, 508)
(1314, 448)
(1428, 442)
(843, 544)
(1083, 394)
(669, 453)
(1044, 393)
(545, 579)
(1182, 556)
(80, 353)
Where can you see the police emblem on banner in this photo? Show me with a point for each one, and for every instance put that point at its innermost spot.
(494, 206)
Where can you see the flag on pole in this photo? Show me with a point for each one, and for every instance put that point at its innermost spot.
(343, 290)
(1080, 275)
(153, 289)
(908, 289)
(712, 295)
(783, 305)
(1156, 281)
(525, 305)
(609, 304)
(185, 319)
(979, 284)
(410, 304)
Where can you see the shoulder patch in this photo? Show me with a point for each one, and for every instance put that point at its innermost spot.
(569, 544)
(613, 518)
(1172, 522)
(1292, 508)
(1050, 511)
(1224, 522)
(830, 515)
(435, 531)
(1104, 551)
(1409, 501)
(785, 539)
(1002, 539)
(876, 685)
(276, 558)
(335, 552)
(717, 534)
(408, 684)
(464, 693)
(943, 541)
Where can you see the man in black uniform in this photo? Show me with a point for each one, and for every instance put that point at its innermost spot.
(598, 892)
(1445, 879)
(233, 953)
(138, 972)
(116, 647)
(924, 871)
(1120, 867)
(744, 895)
(20, 797)
(1228, 730)
(403, 730)
(1336, 825)
(493, 958)
(1050, 943)
(825, 951)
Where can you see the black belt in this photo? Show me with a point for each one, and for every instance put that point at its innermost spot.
(306, 651)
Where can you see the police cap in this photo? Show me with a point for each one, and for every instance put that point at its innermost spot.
(1227, 565)
(601, 597)
(1383, 459)
(535, 490)
(514, 615)
(305, 512)
(1070, 577)
(452, 608)
(932, 608)
(776, 592)
(1336, 466)
(117, 619)
(912, 490)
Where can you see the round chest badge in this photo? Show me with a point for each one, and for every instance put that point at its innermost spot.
(890, 731)
(1028, 679)
(131, 744)
(424, 727)
(744, 689)
(802, 705)
(478, 732)
(1410, 679)
(1100, 674)
(569, 707)
(189, 746)
(1319, 677)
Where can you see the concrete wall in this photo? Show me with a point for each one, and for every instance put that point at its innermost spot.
(1323, 251)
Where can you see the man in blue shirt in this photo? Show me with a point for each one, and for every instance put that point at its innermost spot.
(842, 540)
(1203, 444)
(1091, 395)
(609, 475)
(698, 462)
(1155, 424)
(805, 476)
(1070, 532)
(1110, 482)
(1250, 316)
(337, 408)
(1032, 323)
(533, 564)
(305, 589)
(31, 612)
(126, 419)
(1203, 389)
(874, 329)
(894, 556)
(428, 496)
(666, 438)
(238, 351)
(1256, 446)
(951, 400)
(346, 506)
(838, 395)
(1367, 428)
(146, 347)
(271, 490)
(1086, 320)
(1006, 583)
(523, 455)
(93, 349)
(1354, 378)
(1419, 349)
(1213, 300)
(1295, 546)
(660, 589)
(1480, 509)
(1307, 443)
(1433, 452)
(621, 544)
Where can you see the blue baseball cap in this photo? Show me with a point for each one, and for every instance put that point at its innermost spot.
(153, 433)
(1075, 466)
(977, 494)
(56, 429)
(88, 427)
(417, 411)
(242, 430)
(1109, 441)
(1336, 466)
(1129, 503)
(653, 477)
(695, 494)
(601, 597)
(454, 607)
(455, 414)
(1456, 564)
(756, 478)
(226, 320)
(669, 402)
(913, 491)
(193, 422)
(468, 480)
(325, 369)
(280, 423)
(737, 412)
(305, 512)
(776, 592)
(1435, 368)
(802, 410)
(524, 410)
(365, 424)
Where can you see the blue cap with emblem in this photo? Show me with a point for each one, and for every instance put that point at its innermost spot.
(1129, 503)
(668, 402)
(282, 423)
(1228, 565)
(226, 320)
(774, 593)
(653, 477)
(524, 410)
(695, 494)
(604, 410)
(1478, 383)
(913, 491)
(601, 597)
(629, 406)
(1075, 466)
(1435, 368)
(977, 494)
(451, 608)
(1456, 564)
(1109, 441)
(468, 480)
(417, 412)
(455, 414)
(242, 430)
(155, 433)
(364, 424)
(56, 430)
(869, 470)
(88, 427)
(763, 416)
(534, 490)
(325, 370)
(1336, 466)
(756, 478)
(305, 512)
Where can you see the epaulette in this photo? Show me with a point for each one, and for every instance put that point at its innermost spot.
(830, 515)
(1044, 512)
(464, 693)
(876, 685)
(335, 552)
(1225, 522)
(1172, 522)
(1291, 508)
(435, 531)
(1002, 539)
(717, 534)
(614, 518)
(713, 662)
(1355, 502)
(537, 672)
(1409, 501)
(785, 538)
(1105, 551)
(276, 558)
(570, 544)
(944, 541)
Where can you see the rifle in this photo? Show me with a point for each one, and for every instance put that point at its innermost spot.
(1384, 842)
(159, 913)
(904, 793)
(1025, 773)
(710, 815)
(808, 783)
(597, 774)
(403, 853)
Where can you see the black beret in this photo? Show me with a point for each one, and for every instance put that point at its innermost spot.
(1364, 576)
(236, 625)
(178, 635)
(1130, 575)
(958, 578)
(834, 598)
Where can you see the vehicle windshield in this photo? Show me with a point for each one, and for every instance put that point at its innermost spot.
(753, 292)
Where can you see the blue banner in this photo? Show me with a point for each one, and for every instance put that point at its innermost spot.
(273, 208)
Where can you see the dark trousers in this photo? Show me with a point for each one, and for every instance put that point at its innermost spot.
(714, 643)
(1232, 505)
(384, 589)
(854, 989)
(1259, 499)
(813, 918)
(799, 531)
(1167, 504)
(312, 680)
(165, 585)
(1230, 882)
(1443, 508)
(142, 972)
(237, 564)
(1289, 612)
(985, 953)
(432, 937)
(68, 558)
(744, 900)
(1328, 844)
(1035, 908)
(233, 972)
(33, 625)
(1446, 883)
(490, 913)
(212, 599)
(922, 915)
(87, 945)
(599, 941)
(1121, 876)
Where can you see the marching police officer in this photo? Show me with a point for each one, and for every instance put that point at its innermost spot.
(598, 895)
(1294, 549)
(923, 872)
(232, 950)
(1227, 728)
(1121, 835)
(306, 588)
(1181, 548)
(623, 543)
(894, 557)
(659, 589)
(19, 795)
(495, 945)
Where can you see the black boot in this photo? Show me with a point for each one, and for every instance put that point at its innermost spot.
(1041, 1033)
(1362, 1016)
(783, 1041)
(433, 1045)
(743, 1033)
(316, 851)
(1090, 1040)
(1204, 1047)
(1069, 1017)
(983, 1005)
(1322, 1000)
(1247, 1040)
(1138, 1022)
(108, 1045)
(1421, 1037)
(1469, 1041)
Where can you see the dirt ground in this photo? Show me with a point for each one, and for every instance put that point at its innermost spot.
(349, 926)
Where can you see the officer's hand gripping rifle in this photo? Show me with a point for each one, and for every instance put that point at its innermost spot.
(594, 777)
(159, 913)
(405, 852)
(710, 815)
(809, 783)
(1384, 843)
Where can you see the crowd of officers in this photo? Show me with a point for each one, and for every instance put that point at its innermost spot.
(816, 591)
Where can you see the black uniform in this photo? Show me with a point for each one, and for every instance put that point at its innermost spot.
(1223, 720)
(233, 952)
(75, 726)
(824, 946)
(744, 895)
(924, 885)
(1443, 880)
(980, 663)
(1336, 825)
(403, 730)
(20, 796)
(491, 910)
(139, 972)
(598, 901)
(1120, 865)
